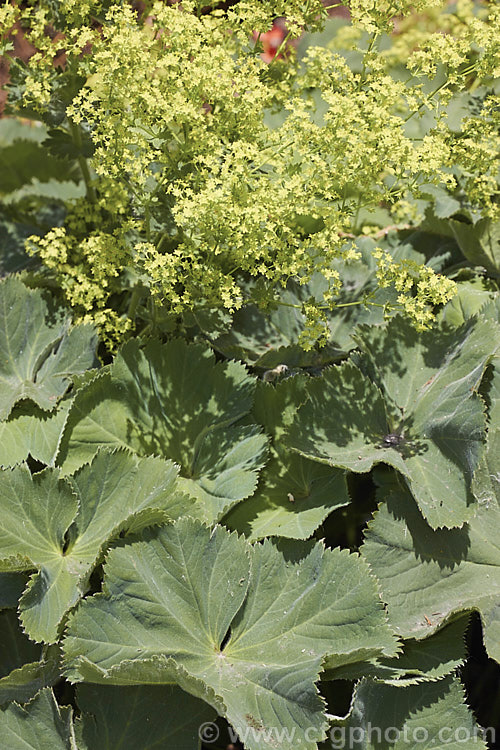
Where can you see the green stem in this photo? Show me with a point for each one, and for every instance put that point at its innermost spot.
(76, 133)
(280, 49)
(363, 301)
(152, 313)
(443, 85)
(136, 297)
(164, 238)
(147, 220)
(371, 45)
(356, 215)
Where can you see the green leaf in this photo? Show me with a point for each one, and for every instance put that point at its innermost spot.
(224, 470)
(343, 421)
(22, 161)
(471, 296)
(13, 129)
(29, 431)
(480, 243)
(245, 629)
(268, 338)
(61, 528)
(53, 190)
(419, 661)
(430, 715)
(39, 725)
(420, 390)
(429, 576)
(38, 350)
(486, 482)
(13, 235)
(490, 389)
(173, 400)
(23, 671)
(445, 205)
(140, 717)
(294, 494)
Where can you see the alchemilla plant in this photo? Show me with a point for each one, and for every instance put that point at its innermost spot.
(250, 381)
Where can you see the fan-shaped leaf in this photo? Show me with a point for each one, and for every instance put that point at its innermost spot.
(62, 527)
(140, 717)
(416, 409)
(23, 160)
(471, 296)
(39, 725)
(480, 242)
(426, 575)
(420, 661)
(53, 190)
(29, 431)
(23, 671)
(173, 400)
(38, 350)
(430, 715)
(294, 494)
(170, 602)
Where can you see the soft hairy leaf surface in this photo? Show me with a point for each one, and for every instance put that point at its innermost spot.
(427, 576)
(429, 715)
(294, 494)
(419, 661)
(416, 409)
(490, 388)
(53, 190)
(39, 725)
(141, 717)
(29, 431)
(170, 602)
(38, 350)
(471, 296)
(23, 670)
(480, 243)
(61, 528)
(173, 400)
(24, 159)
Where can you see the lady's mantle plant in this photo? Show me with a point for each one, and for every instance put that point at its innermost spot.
(231, 490)
(212, 177)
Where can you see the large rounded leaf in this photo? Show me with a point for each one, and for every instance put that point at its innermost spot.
(141, 717)
(428, 576)
(413, 405)
(173, 400)
(294, 494)
(40, 725)
(395, 718)
(246, 629)
(61, 528)
(25, 667)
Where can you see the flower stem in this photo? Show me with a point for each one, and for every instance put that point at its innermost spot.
(76, 133)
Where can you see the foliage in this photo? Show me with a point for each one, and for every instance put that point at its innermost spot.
(250, 375)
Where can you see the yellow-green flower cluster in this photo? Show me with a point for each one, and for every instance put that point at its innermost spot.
(231, 170)
(88, 262)
(378, 15)
(419, 287)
